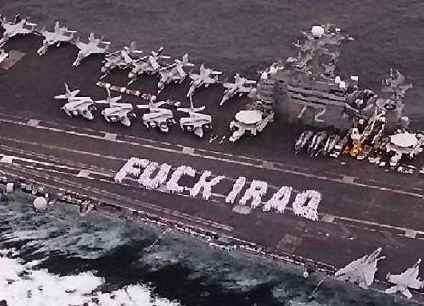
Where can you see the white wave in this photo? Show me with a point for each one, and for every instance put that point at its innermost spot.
(21, 285)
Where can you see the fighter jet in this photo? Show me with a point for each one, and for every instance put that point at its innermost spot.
(121, 59)
(240, 87)
(158, 117)
(174, 73)
(20, 26)
(195, 122)
(147, 64)
(59, 35)
(205, 78)
(3, 55)
(94, 46)
(77, 106)
(407, 279)
(362, 270)
(117, 111)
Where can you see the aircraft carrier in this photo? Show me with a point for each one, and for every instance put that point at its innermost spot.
(359, 211)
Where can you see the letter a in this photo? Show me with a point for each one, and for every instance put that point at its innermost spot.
(279, 200)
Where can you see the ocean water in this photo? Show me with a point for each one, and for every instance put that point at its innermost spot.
(61, 258)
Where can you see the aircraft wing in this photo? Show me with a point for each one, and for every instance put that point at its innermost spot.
(9, 28)
(116, 111)
(79, 103)
(24, 31)
(229, 85)
(81, 45)
(96, 50)
(48, 35)
(180, 70)
(63, 37)
(245, 89)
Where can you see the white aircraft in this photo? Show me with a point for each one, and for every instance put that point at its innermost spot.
(94, 46)
(158, 117)
(174, 73)
(3, 55)
(362, 270)
(58, 36)
(240, 87)
(20, 26)
(121, 59)
(205, 78)
(408, 279)
(77, 106)
(249, 122)
(195, 122)
(147, 64)
(117, 111)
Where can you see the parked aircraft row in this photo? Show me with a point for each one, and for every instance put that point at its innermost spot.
(130, 58)
(116, 111)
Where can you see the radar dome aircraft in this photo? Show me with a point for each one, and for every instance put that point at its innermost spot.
(94, 46)
(147, 64)
(117, 111)
(58, 36)
(121, 59)
(11, 29)
(240, 87)
(174, 73)
(158, 117)
(205, 78)
(195, 122)
(407, 279)
(250, 121)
